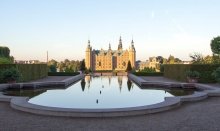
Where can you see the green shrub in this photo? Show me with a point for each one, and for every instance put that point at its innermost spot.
(192, 74)
(82, 65)
(205, 71)
(28, 71)
(178, 71)
(216, 74)
(148, 70)
(52, 68)
(4, 60)
(10, 74)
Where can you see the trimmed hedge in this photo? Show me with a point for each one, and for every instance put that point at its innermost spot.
(148, 74)
(63, 73)
(28, 71)
(178, 71)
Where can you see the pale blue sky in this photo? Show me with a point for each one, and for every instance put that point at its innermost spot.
(159, 27)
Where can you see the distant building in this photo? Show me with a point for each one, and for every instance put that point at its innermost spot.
(143, 64)
(100, 60)
(186, 62)
(27, 62)
(34, 62)
(151, 63)
(20, 62)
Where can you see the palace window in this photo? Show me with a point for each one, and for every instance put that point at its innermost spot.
(124, 64)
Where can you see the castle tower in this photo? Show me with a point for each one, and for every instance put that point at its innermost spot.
(109, 47)
(88, 59)
(110, 59)
(132, 54)
(120, 44)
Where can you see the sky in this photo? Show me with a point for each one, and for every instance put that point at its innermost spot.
(30, 28)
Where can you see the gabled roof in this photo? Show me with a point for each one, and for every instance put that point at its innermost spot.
(106, 52)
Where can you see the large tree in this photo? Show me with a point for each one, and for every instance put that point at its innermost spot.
(215, 45)
(66, 65)
(5, 57)
(197, 58)
(208, 60)
(129, 68)
(164, 61)
(52, 68)
(160, 59)
(4, 52)
(52, 62)
(171, 59)
(82, 65)
(177, 60)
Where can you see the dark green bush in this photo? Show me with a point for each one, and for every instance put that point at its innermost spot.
(52, 68)
(10, 74)
(192, 74)
(129, 68)
(28, 71)
(63, 73)
(148, 70)
(216, 74)
(4, 60)
(178, 71)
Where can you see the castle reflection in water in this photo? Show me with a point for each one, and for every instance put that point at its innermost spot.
(86, 82)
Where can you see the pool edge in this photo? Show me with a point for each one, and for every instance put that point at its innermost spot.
(22, 104)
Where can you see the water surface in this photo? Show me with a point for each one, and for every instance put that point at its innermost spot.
(99, 93)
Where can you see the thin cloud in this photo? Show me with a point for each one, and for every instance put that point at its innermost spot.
(178, 26)
(175, 23)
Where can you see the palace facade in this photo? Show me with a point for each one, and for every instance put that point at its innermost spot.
(109, 60)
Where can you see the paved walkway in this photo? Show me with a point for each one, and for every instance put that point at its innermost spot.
(198, 116)
(192, 116)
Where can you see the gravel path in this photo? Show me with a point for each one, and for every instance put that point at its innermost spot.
(199, 116)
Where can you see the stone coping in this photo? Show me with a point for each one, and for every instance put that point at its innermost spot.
(144, 84)
(22, 104)
(52, 84)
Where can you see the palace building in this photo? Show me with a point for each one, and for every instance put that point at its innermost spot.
(109, 60)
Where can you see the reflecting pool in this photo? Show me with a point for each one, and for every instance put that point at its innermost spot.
(99, 93)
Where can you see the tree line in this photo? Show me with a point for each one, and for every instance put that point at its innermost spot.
(66, 65)
(198, 58)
